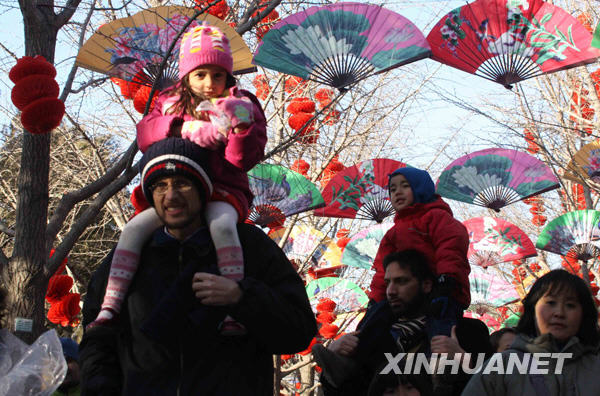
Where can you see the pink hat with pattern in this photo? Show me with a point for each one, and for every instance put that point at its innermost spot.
(204, 45)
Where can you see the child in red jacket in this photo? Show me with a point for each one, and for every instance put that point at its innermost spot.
(424, 222)
(206, 107)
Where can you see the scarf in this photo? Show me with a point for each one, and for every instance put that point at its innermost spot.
(408, 332)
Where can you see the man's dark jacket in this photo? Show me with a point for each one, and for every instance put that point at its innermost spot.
(167, 343)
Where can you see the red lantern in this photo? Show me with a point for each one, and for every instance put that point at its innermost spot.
(220, 10)
(298, 120)
(586, 21)
(301, 167)
(301, 105)
(324, 96)
(326, 305)
(342, 233)
(328, 330)
(28, 66)
(33, 87)
(65, 311)
(342, 242)
(141, 98)
(332, 117)
(294, 84)
(326, 317)
(42, 115)
(58, 287)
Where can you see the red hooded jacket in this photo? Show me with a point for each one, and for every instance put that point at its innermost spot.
(431, 229)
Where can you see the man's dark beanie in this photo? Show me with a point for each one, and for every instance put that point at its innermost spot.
(175, 156)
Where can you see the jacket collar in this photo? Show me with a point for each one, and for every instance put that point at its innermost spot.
(200, 238)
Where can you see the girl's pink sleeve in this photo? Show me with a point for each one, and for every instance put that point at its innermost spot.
(157, 125)
(245, 149)
(378, 283)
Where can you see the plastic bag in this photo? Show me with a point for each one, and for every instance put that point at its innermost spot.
(217, 117)
(36, 369)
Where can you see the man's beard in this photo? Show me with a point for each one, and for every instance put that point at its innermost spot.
(414, 307)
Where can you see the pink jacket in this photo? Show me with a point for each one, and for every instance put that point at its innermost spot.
(229, 163)
(431, 229)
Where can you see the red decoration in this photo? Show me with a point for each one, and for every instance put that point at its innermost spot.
(298, 120)
(28, 66)
(342, 242)
(532, 146)
(128, 89)
(58, 287)
(332, 117)
(326, 317)
(309, 349)
(586, 21)
(267, 22)
(534, 267)
(324, 96)
(594, 287)
(301, 167)
(62, 265)
(42, 115)
(342, 233)
(31, 88)
(138, 200)
(65, 311)
(328, 330)
(308, 136)
(326, 305)
(220, 10)
(262, 86)
(301, 105)
(141, 98)
(294, 84)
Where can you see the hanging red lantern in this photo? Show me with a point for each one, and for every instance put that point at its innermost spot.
(29, 66)
(301, 167)
(298, 120)
(262, 86)
(328, 331)
(31, 88)
(326, 317)
(65, 311)
(332, 117)
(141, 98)
(586, 21)
(295, 85)
(58, 287)
(301, 105)
(308, 136)
(326, 305)
(42, 115)
(324, 96)
(219, 10)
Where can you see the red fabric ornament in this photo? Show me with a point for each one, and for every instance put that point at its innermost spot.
(516, 263)
(286, 357)
(301, 167)
(128, 89)
(591, 276)
(342, 242)
(61, 267)
(58, 287)
(594, 288)
(326, 317)
(27, 66)
(42, 115)
(332, 117)
(308, 136)
(298, 120)
(324, 96)
(220, 10)
(301, 104)
(328, 330)
(326, 305)
(138, 200)
(318, 369)
(65, 311)
(31, 88)
(262, 86)
(266, 23)
(294, 85)
(141, 98)
(534, 267)
(342, 233)
(309, 349)
(335, 165)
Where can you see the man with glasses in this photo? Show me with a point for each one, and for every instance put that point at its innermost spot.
(166, 339)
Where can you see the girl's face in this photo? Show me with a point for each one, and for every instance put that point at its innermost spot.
(208, 80)
(558, 314)
(401, 194)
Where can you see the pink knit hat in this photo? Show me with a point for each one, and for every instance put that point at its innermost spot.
(204, 45)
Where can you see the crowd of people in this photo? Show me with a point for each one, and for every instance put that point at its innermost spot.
(193, 301)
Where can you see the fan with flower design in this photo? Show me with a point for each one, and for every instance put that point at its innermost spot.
(585, 164)
(305, 244)
(360, 191)
(133, 48)
(494, 178)
(493, 241)
(346, 294)
(280, 192)
(507, 41)
(340, 44)
(490, 288)
(576, 233)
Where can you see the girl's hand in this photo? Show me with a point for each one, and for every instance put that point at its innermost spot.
(203, 133)
(239, 110)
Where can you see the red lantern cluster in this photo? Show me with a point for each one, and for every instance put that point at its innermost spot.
(302, 110)
(64, 305)
(141, 98)
(520, 274)
(326, 317)
(532, 146)
(262, 86)
(301, 167)
(537, 210)
(571, 264)
(267, 22)
(294, 85)
(583, 113)
(36, 94)
(331, 170)
(219, 10)
(324, 96)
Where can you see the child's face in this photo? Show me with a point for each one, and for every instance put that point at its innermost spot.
(559, 315)
(208, 80)
(401, 194)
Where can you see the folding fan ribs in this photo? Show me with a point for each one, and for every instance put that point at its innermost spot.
(576, 233)
(133, 48)
(494, 178)
(280, 192)
(507, 41)
(340, 44)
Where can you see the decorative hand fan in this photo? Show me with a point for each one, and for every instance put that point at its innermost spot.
(507, 41)
(494, 178)
(489, 288)
(280, 192)
(493, 241)
(136, 46)
(360, 191)
(308, 244)
(522, 286)
(596, 39)
(585, 164)
(360, 252)
(491, 322)
(347, 295)
(576, 232)
(511, 321)
(340, 44)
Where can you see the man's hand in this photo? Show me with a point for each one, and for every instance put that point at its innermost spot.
(215, 290)
(445, 344)
(346, 344)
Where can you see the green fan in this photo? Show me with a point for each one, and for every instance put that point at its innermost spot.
(575, 232)
(346, 294)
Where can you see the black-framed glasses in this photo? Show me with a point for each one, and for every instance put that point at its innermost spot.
(180, 185)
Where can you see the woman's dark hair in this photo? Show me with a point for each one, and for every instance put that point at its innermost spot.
(188, 101)
(497, 335)
(557, 282)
